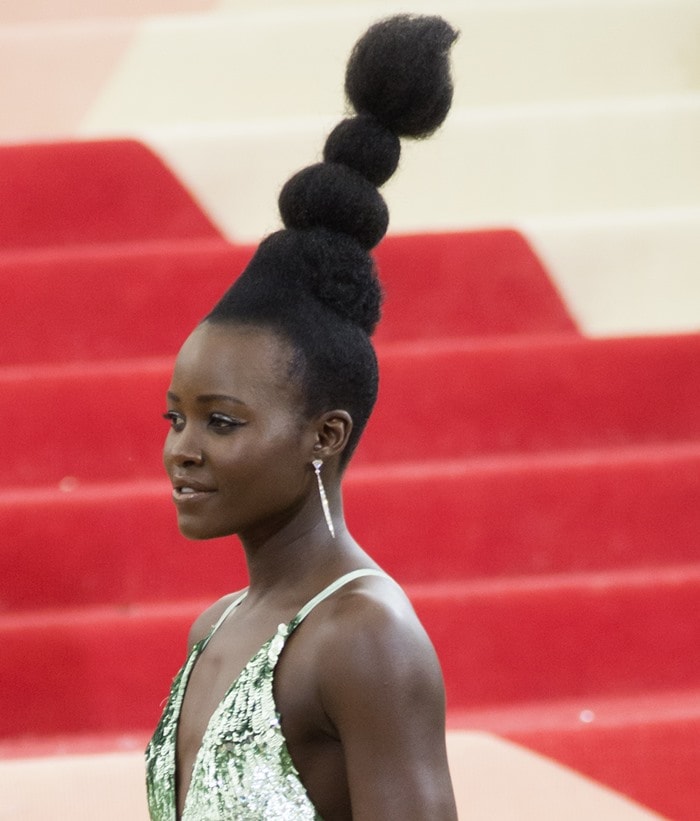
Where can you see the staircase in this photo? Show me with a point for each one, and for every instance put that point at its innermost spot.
(531, 474)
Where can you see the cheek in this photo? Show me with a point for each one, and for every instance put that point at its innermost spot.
(167, 448)
(274, 460)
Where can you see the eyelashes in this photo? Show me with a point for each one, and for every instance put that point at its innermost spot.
(176, 420)
(219, 422)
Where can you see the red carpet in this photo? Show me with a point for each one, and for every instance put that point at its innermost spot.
(536, 492)
(63, 194)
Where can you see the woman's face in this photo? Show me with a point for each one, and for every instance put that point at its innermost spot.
(239, 448)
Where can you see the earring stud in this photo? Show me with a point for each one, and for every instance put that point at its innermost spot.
(317, 465)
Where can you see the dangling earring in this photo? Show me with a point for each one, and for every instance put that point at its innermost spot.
(317, 463)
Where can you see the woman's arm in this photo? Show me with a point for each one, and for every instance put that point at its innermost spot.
(382, 689)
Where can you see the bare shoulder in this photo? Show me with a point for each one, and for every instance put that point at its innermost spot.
(203, 624)
(373, 637)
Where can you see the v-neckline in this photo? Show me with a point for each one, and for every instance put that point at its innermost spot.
(196, 651)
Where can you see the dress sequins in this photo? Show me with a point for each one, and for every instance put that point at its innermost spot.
(243, 769)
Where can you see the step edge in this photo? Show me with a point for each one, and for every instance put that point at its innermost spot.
(605, 457)
(638, 579)
(584, 714)
(386, 352)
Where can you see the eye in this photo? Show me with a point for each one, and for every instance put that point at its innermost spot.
(222, 423)
(177, 420)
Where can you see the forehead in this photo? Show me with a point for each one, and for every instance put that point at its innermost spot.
(248, 362)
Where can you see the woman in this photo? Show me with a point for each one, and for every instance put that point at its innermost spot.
(341, 717)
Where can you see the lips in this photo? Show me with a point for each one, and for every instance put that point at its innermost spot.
(188, 491)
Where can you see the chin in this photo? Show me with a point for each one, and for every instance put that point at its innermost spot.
(199, 531)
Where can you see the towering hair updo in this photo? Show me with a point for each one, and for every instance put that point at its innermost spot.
(315, 282)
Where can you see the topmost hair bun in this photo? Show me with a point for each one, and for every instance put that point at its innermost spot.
(398, 81)
(399, 72)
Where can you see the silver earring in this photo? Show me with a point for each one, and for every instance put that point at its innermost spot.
(317, 463)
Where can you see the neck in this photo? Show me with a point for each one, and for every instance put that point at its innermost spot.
(300, 552)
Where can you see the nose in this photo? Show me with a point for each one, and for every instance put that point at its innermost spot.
(182, 449)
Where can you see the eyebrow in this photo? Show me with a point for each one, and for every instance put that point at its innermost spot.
(205, 398)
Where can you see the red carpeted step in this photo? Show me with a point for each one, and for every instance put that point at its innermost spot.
(84, 422)
(480, 283)
(575, 512)
(106, 302)
(608, 633)
(72, 193)
(645, 746)
(142, 299)
(519, 640)
(113, 545)
(90, 670)
(102, 421)
(523, 395)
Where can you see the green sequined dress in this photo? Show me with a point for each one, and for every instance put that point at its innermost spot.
(243, 769)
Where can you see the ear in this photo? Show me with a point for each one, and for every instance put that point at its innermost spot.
(332, 431)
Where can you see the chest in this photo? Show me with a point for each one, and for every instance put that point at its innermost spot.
(217, 666)
(240, 668)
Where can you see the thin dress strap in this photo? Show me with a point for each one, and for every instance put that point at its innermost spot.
(332, 587)
(222, 618)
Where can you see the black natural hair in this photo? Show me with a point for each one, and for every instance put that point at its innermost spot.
(315, 282)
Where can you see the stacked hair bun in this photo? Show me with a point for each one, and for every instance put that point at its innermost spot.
(318, 270)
